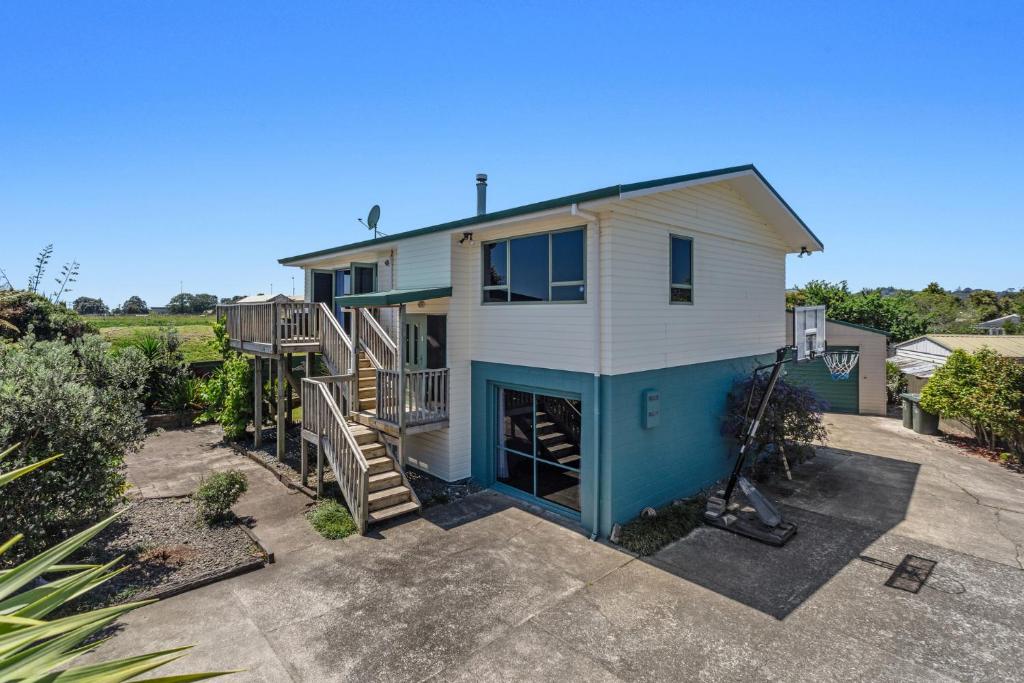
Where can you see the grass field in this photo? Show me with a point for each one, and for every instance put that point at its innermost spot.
(195, 331)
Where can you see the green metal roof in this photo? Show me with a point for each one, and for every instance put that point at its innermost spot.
(392, 297)
(568, 200)
(857, 326)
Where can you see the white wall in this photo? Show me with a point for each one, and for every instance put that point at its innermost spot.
(424, 262)
(739, 281)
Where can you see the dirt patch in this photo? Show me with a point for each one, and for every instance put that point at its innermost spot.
(165, 547)
(971, 447)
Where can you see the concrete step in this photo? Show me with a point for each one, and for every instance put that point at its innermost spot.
(385, 480)
(391, 512)
(381, 464)
(385, 498)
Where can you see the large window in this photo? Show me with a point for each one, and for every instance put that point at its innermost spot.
(536, 268)
(538, 445)
(681, 285)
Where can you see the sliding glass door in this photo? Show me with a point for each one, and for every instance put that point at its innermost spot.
(538, 445)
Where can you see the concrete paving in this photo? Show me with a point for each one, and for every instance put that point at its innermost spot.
(490, 589)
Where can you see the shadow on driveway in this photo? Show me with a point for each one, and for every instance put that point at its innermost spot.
(841, 501)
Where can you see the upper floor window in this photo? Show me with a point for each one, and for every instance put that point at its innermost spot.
(534, 268)
(681, 281)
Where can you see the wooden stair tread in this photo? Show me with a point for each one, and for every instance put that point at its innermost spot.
(385, 493)
(393, 511)
(384, 480)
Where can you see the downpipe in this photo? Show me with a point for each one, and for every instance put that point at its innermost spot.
(594, 295)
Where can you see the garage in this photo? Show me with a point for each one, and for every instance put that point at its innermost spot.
(864, 392)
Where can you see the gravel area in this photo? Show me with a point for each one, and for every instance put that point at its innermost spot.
(289, 466)
(165, 546)
(433, 491)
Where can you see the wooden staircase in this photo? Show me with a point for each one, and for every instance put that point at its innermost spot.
(366, 383)
(390, 494)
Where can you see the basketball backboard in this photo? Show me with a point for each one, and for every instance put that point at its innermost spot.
(808, 331)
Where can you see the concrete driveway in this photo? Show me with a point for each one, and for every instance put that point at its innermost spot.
(489, 590)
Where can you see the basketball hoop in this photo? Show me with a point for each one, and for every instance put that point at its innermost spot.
(840, 363)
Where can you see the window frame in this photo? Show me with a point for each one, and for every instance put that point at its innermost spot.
(484, 288)
(672, 285)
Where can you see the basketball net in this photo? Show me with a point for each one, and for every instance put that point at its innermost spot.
(840, 363)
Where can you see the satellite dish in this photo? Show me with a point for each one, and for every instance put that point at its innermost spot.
(371, 220)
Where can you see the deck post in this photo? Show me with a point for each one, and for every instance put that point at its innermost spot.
(280, 407)
(320, 466)
(288, 401)
(401, 383)
(303, 460)
(257, 399)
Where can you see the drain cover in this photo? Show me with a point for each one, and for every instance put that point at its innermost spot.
(911, 573)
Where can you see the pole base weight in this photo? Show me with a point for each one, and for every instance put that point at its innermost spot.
(748, 524)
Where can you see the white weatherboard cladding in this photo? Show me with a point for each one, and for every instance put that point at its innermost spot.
(739, 281)
(424, 262)
(543, 335)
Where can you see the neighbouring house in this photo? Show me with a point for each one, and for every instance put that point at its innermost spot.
(267, 298)
(864, 392)
(576, 352)
(918, 358)
(998, 325)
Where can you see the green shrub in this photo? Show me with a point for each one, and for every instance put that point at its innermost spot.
(218, 492)
(23, 311)
(985, 390)
(75, 399)
(228, 396)
(647, 535)
(895, 382)
(167, 369)
(332, 520)
(792, 420)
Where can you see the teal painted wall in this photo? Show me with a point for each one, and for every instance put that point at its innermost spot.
(626, 467)
(842, 396)
(683, 455)
(487, 376)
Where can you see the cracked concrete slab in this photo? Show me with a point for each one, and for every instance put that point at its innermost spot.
(489, 588)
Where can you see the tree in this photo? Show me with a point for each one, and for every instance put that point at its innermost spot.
(23, 311)
(134, 305)
(232, 299)
(891, 314)
(985, 390)
(89, 306)
(181, 303)
(203, 302)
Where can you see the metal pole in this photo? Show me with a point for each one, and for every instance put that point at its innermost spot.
(780, 359)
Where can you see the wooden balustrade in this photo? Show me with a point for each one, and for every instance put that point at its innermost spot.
(426, 396)
(380, 348)
(298, 321)
(335, 345)
(323, 416)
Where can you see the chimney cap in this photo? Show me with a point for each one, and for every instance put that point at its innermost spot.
(481, 177)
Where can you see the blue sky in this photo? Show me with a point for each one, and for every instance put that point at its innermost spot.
(168, 142)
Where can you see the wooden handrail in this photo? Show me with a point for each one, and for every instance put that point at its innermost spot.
(380, 348)
(335, 345)
(320, 414)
